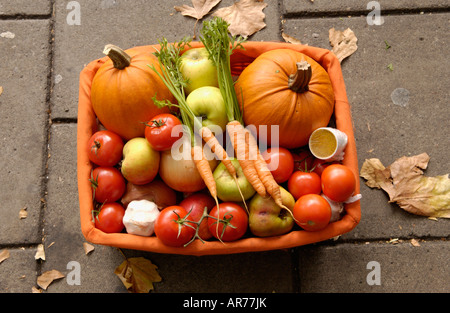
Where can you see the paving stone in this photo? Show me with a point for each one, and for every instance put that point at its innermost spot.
(376, 268)
(25, 7)
(258, 272)
(23, 119)
(18, 273)
(384, 129)
(325, 7)
(125, 23)
(63, 240)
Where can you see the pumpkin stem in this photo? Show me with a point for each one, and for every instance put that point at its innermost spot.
(299, 81)
(119, 57)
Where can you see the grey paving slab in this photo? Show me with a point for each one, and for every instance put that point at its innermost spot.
(376, 268)
(63, 241)
(18, 273)
(23, 118)
(125, 23)
(25, 7)
(386, 130)
(261, 272)
(326, 7)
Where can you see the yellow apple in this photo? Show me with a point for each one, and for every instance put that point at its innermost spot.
(198, 69)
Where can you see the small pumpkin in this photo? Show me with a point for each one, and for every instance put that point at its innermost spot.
(123, 88)
(286, 88)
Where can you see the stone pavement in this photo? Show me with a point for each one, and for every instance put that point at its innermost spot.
(43, 51)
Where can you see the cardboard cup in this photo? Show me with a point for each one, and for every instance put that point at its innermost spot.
(339, 139)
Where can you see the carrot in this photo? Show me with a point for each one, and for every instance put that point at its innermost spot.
(217, 149)
(267, 178)
(204, 169)
(238, 140)
(222, 155)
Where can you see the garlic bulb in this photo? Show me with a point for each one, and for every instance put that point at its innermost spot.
(140, 217)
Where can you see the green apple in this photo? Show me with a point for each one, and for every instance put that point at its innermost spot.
(266, 218)
(140, 162)
(208, 104)
(198, 69)
(227, 188)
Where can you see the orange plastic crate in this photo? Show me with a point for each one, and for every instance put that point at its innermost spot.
(87, 125)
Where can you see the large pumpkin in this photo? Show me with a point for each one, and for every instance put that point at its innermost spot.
(286, 88)
(123, 88)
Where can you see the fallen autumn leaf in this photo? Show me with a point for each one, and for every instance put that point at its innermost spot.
(23, 213)
(343, 43)
(406, 185)
(245, 17)
(48, 277)
(290, 39)
(199, 8)
(40, 253)
(88, 247)
(138, 274)
(4, 254)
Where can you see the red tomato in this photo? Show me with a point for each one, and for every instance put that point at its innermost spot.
(108, 184)
(109, 219)
(105, 148)
(172, 226)
(303, 183)
(195, 204)
(232, 224)
(338, 182)
(312, 212)
(303, 160)
(319, 165)
(280, 162)
(161, 132)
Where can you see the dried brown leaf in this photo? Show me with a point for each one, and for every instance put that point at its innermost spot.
(48, 277)
(138, 274)
(415, 243)
(4, 254)
(88, 247)
(343, 42)
(23, 213)
(40, 253)
(245, 17)
(406, 185)
(290, 39)
(1, 90)
(199, 8)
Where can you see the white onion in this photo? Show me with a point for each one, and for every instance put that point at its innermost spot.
(178, 170)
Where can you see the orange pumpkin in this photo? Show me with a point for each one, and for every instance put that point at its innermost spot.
(286, 88)
(123, 88)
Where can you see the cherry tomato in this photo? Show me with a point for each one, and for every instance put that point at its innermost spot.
(172, 226)
(105, 148)
(232, 223)
(280, 162)
(108, 184)
(163, 131)
(303, 183)
(312, 212)
(109, 219)
(338, 182)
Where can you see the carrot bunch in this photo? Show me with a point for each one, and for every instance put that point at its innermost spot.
(169, 62)
(220, 46)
